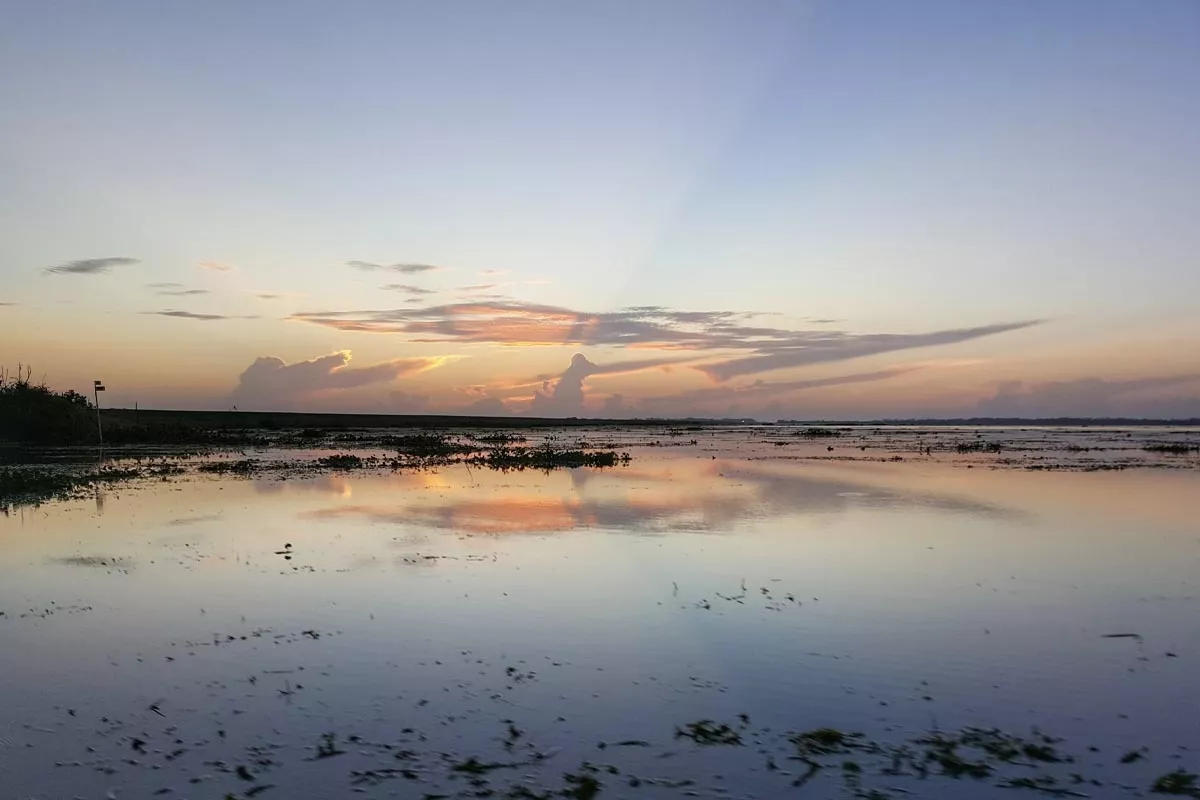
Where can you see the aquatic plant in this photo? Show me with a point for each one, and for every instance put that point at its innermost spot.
(979, 446)
(1179, 782)
(817, 433)
(244, 466)
(547, 458)
(1172, 448)
(341, 461)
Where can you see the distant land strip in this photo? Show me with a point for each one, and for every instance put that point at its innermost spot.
(292, 419)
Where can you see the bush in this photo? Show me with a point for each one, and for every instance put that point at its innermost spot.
(36, 414)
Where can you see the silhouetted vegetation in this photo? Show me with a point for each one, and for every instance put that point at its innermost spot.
(1174, 448)
(547, 458)
(979, 446)
(38, 484)
(33, 413)
(244, 466)
(818, 433)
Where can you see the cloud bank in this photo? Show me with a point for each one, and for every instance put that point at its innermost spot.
(271, 383)
(705, 333)
(1096, 397)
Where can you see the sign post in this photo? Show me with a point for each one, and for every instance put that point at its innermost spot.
(97, 388)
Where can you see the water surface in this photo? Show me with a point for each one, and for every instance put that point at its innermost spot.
(158, 637)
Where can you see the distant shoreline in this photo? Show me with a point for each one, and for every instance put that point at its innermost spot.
(301, 419)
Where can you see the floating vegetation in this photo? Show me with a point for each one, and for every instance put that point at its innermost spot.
(327, 747)
(979, 446)
(818, 433)
(547, 458)
(428, 445)
(1179, 782)
(708, 732)
(341, 461)
(245, 466)
(35, 484)
(1172, 448)
(867, 769)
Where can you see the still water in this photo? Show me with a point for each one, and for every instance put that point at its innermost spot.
(454, 632)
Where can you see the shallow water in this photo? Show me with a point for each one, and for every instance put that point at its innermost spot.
(160, 636)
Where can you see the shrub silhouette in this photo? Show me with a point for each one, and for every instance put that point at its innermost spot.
(36, 414)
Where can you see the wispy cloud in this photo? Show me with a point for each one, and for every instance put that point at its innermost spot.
(477, 287)
(805, 351)
(180, 292)
(9, 304)
(90, 266)
(405, 269)
(166, 285)
(709, 334)
(191, 315)
(268, 296)
(407, 288)
(215, 266)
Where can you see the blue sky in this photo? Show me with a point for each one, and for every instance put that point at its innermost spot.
(866, 168)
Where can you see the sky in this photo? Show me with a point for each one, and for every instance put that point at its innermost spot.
(808, 210)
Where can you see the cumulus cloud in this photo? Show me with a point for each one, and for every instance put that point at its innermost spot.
(90, 266)
(565, 396)
(215, 266)
(405, 269)
(191, 315)
(407, 288)
(271, 382)
(487, 407)
(764, 348)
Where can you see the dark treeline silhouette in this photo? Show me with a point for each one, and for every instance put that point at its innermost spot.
(33, 413)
